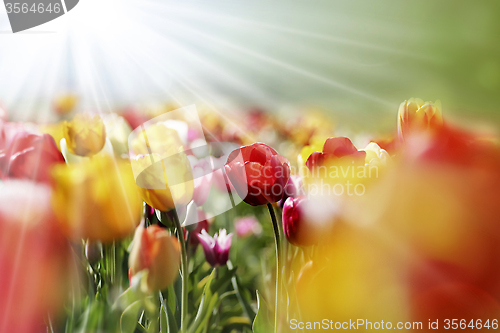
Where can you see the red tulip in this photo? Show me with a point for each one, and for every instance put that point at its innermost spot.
(30, 156)
(296, 226)
(258, 173)
(336, 149)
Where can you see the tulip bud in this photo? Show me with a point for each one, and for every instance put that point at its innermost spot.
(258, 173)
(155, 250)
(64, 104)
(296, 226)
(415, 114)
(85, 135)
(164, 185)
(376, 155)
(217, 248)
(93, 251)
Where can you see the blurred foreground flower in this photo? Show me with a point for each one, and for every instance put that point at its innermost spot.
(415, 114)
(30, 156)
(35, 258)
(96, 199)
(258, 173)
(156, 251)
(85, 135)
(4, 116)
(216, 249)
(297, 227)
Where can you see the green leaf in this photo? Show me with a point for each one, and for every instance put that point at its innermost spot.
(163, 320)
(262, 322)
(170, 324)
(128, 297)
(129, 318)
(207, 304)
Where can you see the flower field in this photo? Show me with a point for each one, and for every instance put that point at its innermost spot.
(150, 220)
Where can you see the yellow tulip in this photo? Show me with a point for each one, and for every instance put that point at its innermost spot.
(161, 169)
(96, 199)
(157, 139)
(64, 104)
(156, 251)
(85, 135)
(415, 114)
(163, 184)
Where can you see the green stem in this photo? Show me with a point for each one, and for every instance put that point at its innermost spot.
(184, 273)
(278, 266)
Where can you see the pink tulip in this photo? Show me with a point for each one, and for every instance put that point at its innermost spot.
(216, 248)
(247, 226)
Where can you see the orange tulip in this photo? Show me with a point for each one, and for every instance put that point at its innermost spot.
(96, 199)
(156, 251)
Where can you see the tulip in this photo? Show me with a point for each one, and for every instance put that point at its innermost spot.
(376, 155)
(96, 199)
(336, 150)
(35, 258)
(161, 168)
(157, 139)
(258, 173)
(117, 131)
(164, 185)
(247, 226)
(297, 227)
(415, 114)
(85, 135)
(293, 188)
(30, 156)
(216, 248)
(158, 252)
(66, 103)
